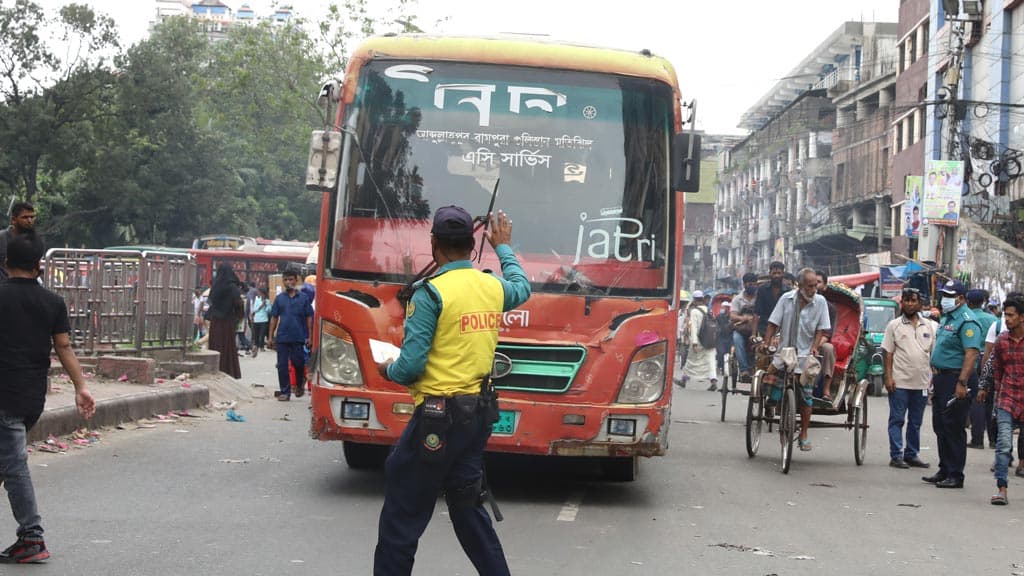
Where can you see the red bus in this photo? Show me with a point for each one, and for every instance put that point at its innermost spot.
(592, 161)
(253, 259)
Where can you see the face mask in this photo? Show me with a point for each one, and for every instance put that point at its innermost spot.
(948, 304)
(749, 290)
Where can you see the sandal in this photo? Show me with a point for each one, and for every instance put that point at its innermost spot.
(805, 445)
(998, 500)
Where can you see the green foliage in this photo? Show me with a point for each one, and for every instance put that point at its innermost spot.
(176, 137)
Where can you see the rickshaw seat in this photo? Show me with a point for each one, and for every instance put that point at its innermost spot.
(846, 334)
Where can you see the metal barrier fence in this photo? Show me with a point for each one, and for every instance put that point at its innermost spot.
(124, 299)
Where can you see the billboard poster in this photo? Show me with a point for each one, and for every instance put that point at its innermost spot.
(912, 207)
(889, 281)
(943, 181)
(780, 249)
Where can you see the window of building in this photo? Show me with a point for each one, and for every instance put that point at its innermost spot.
(840, 178)
(911, 133)
(902, 51)
(899, 137)
(911, 44)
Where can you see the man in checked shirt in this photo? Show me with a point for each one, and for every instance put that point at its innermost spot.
(1008, 371)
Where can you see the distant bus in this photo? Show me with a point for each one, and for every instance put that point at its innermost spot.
(253, 259)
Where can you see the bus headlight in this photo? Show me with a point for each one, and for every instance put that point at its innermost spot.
(645, 380)
(338, 361)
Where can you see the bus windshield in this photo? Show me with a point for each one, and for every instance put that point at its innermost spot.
(582, 160)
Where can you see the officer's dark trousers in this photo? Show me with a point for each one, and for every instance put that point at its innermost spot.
(411, 491)
(948, 424)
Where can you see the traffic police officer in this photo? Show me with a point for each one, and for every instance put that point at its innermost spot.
(451, 333)
(957, 344)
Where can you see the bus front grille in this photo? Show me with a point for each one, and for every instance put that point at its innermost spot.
(549, 369)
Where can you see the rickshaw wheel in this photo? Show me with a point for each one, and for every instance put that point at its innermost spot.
(787, 426)
(860, 430)
(755, 415)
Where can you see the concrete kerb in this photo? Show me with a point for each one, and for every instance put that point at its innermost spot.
(120, 409)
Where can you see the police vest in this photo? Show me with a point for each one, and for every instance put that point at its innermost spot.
(466, 336)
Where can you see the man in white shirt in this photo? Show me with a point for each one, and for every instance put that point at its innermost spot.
(700, 362)
(908, 342)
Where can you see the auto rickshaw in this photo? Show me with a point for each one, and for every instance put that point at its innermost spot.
(878, 312)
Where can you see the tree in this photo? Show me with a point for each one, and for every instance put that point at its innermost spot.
(49, 101)
(259, 94)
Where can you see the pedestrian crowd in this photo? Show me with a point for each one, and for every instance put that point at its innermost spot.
(965, 359)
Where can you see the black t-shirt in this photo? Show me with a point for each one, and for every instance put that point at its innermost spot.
(765, 305)
(30, 315)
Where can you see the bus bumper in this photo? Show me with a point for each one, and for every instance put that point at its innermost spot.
(526, 427)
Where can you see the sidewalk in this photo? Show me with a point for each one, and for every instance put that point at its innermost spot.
(118, 402)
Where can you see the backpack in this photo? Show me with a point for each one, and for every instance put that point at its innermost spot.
(707, 334)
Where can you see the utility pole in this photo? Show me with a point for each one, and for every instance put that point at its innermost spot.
(953, 118)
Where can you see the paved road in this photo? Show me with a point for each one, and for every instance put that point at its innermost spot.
(173, 500)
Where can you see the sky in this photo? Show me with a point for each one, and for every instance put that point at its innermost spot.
(726, 54)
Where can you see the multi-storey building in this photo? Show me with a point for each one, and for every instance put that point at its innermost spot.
(776, 198)
(698, 239)
(217, 17)
(975, 92)
(909, 123)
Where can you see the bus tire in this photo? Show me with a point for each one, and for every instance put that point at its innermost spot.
(364, 456)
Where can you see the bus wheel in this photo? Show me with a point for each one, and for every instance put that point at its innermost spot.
(621, 469)
(364, 456)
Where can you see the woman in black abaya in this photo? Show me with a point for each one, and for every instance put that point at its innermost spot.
(225, 312)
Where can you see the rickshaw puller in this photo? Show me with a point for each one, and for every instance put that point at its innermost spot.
(801, 317)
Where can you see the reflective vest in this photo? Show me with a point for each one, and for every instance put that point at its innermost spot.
(466, 336)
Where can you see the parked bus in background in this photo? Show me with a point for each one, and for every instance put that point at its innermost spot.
(592, 159)
(253, 259)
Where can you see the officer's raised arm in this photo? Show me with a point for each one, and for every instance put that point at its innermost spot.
(514, 280)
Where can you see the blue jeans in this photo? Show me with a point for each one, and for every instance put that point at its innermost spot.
(15, 475)
(1004, 445)
(739, 344)
(905, 405)
(290, 352)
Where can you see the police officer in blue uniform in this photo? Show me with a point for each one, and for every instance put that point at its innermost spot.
(958, 341)
(451, 332)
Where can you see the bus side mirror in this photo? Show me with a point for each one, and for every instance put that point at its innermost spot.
(324, 160)
(686, 162)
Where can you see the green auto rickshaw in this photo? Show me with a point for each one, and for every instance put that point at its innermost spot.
(870, 365)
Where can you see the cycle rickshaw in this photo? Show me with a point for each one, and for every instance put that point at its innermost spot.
(849, 398)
